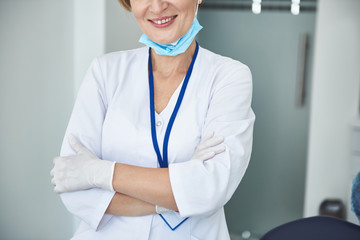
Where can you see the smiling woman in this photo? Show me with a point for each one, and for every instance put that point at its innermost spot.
(160, 136)
(151, 16)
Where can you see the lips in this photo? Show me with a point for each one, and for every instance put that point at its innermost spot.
(163, 21)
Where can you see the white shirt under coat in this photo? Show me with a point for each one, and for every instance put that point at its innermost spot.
(111, 117)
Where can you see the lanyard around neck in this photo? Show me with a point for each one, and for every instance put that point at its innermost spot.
(163, 161)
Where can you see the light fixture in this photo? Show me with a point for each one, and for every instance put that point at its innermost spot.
(256, 6)
(295, 7)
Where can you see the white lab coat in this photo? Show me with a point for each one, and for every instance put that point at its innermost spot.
(111, 117)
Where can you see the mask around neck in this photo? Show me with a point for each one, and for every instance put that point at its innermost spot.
(178, 47)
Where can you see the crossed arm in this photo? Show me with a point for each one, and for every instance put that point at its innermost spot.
(124, 205)
(138, 189)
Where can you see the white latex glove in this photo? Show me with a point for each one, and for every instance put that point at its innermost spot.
(208, 147)
(81, 171)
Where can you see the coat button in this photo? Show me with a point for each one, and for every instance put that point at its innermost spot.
(158, 123)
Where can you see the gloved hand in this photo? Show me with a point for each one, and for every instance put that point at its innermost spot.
(208, 147)
(85, 170)
(81, 171)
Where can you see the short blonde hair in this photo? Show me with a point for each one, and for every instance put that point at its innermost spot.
(125, 4)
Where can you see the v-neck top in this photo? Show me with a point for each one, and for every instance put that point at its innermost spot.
(111, 117)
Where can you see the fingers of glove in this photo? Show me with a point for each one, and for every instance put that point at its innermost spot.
(63, 185)
(58, 172)
(63, 182)
(57, 181)
(80, 149)
(53, 170)
(55, 160)
(59, 164)
(53, 182)
(211, 142)
(59, 188)
(206, 156)
(209, 153)
(70, 185)
(217, 149)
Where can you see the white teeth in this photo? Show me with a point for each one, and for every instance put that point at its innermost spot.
(163, 21)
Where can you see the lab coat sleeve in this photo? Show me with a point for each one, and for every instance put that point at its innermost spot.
(86, 124)
(201, 188)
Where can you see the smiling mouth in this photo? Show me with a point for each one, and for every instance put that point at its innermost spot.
(164, 20)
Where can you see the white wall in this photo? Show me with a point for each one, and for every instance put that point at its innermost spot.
(36, 94)
(121, 30)
(100, 27)
(46, 46)
(335, 98)
(89, 35)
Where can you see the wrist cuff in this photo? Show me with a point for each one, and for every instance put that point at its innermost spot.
(111, 188)
(161, 210)
(104, 174)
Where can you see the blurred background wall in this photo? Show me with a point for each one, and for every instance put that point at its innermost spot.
(270, 44)
(36, 92)
(47, 45)
(334, 114)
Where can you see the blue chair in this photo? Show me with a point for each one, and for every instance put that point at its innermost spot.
(355, 196)
(315, 228)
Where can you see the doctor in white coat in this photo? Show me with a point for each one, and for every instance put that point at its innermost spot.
(159, 137)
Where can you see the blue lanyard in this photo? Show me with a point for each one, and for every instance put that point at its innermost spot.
(163, 161)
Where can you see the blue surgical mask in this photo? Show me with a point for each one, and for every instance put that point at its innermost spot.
(176, 48)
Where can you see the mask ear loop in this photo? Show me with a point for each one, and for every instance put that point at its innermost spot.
(197, 8)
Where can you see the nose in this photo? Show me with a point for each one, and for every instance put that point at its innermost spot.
(158, 6)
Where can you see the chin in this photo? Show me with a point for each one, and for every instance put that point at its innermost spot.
(162, 41)
(166, 40)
